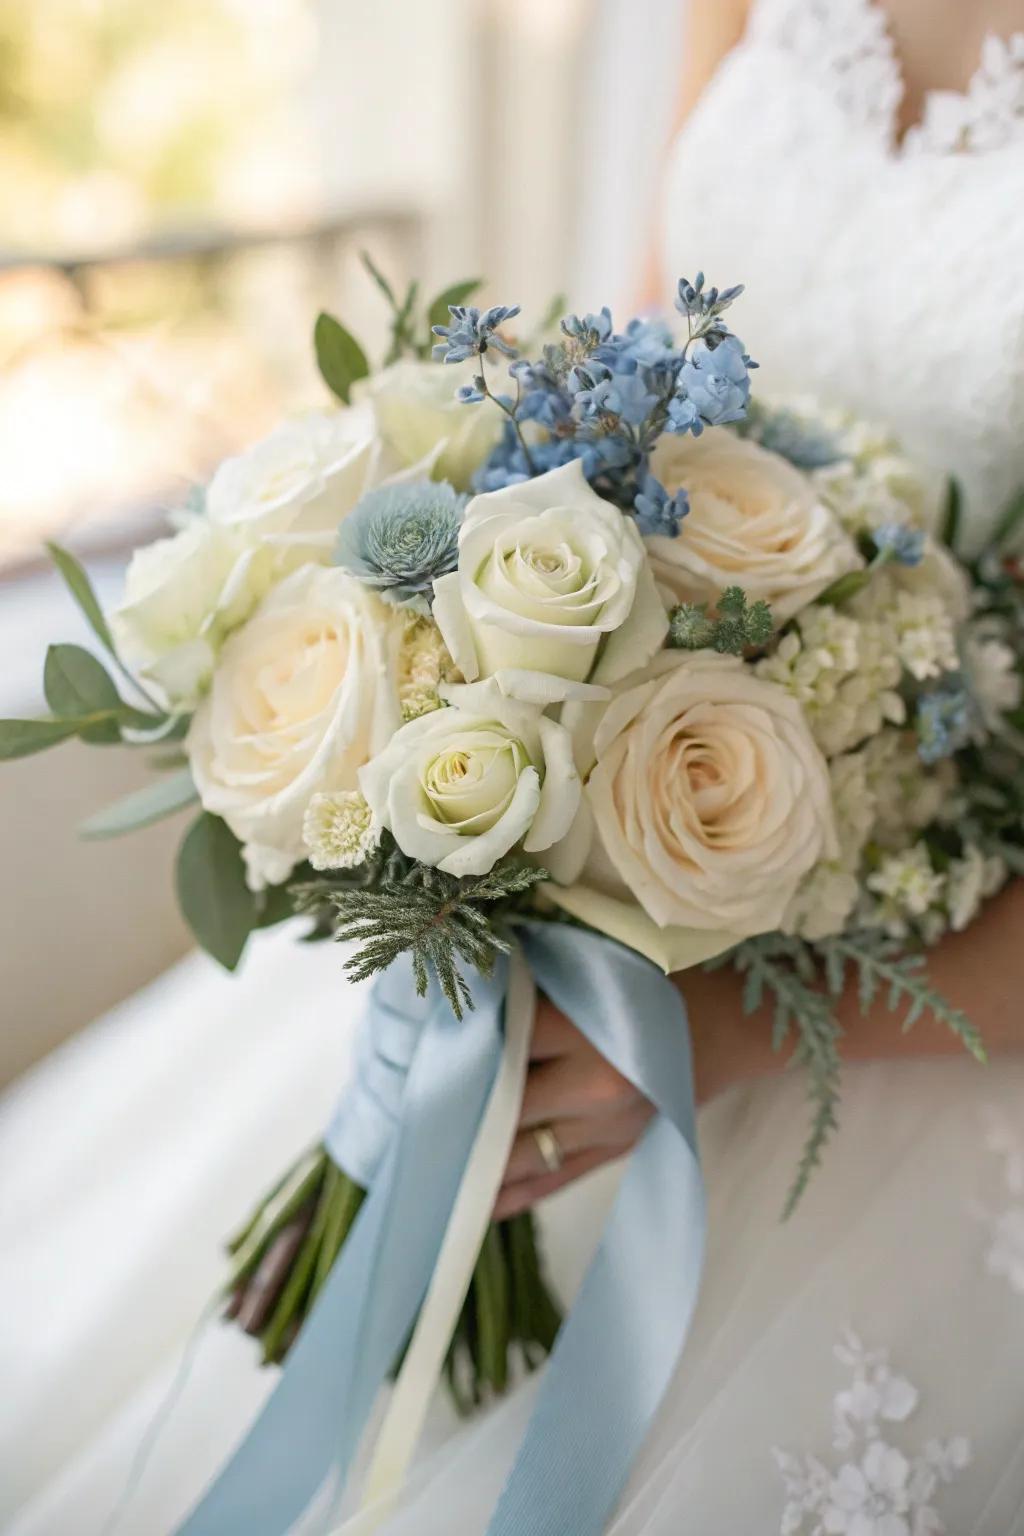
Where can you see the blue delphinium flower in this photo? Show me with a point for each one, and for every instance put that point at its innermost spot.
(644, 344)
(507, 465)
(703, 307)
(400, 537)
(589, 330)
(712, 387)
(599, 396)
(656, 511)
(896, 541)
(943, 722)
(473, 332)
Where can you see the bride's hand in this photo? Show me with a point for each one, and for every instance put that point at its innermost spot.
(593, 1113)
(596, 1115)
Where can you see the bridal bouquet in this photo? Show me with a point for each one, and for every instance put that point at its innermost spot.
(548, 657)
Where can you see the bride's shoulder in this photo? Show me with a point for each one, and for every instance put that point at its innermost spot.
(714, 28)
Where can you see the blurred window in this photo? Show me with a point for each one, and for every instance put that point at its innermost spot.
(170, 225)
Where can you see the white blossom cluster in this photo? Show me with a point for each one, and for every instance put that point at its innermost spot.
(843, 671)
(855, 666)
(423, 665)
(873, 483)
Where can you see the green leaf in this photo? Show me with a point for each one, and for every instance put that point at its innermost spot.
(339, 356)
(953, 514)
(1010, 521)
(81, 590)
(379, 278)
(141, 809)
(554, 312)
(215, 900)
(846, 587)
(458, 293)
(21, 738)
(76, 684)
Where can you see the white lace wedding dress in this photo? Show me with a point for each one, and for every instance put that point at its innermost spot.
(859, 1371)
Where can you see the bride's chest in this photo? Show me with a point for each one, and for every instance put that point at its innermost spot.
(890, 280)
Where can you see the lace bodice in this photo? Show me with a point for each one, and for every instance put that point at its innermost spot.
(881, 274)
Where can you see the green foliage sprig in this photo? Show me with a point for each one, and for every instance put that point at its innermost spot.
(884, 970)
(803, 983)
(784, 972)
(391, 905)
(733, 628)
(83, 697)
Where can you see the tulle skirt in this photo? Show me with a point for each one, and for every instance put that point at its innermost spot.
(859, 1369)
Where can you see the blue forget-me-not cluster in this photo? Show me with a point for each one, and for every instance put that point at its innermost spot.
(604, 397)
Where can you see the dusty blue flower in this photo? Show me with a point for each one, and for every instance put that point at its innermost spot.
(712, 387)
(599, 395)
(473, 332)
(644, 344)
(943, 722)
(590, 330)
(704, 305)
(656, 511)
(400, 537)
(897, 541)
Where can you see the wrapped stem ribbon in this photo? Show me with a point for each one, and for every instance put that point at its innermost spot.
(427, 1127)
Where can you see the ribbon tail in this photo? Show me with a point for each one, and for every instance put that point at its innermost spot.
(618, 1350)
(471, 1214)
(311, 1425)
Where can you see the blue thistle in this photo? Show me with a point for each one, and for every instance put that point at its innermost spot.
(806, 444)
(399, 538)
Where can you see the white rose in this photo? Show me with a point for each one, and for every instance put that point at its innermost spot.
(418, 416)
(549, 574)
(182, 595)
(709, 798)
(291, 490)
(302, 697)
(754, 522)
(458, 788)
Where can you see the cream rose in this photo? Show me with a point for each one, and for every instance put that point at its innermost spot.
(754, 522)
(182, 596)
(302, 697)
(268, 511)
(549, 575)
(291, 490)
(460, 787)
(709, 797)
(418, 416)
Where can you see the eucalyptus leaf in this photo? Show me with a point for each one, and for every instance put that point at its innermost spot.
(151, 803)
(81, 590)
(458, 293)
(379, 278)
(21, 738)
(215, 900)
(78, 687)
(339, 356)
(76, 684)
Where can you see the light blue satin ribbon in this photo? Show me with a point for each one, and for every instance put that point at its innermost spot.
(405, 1130)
